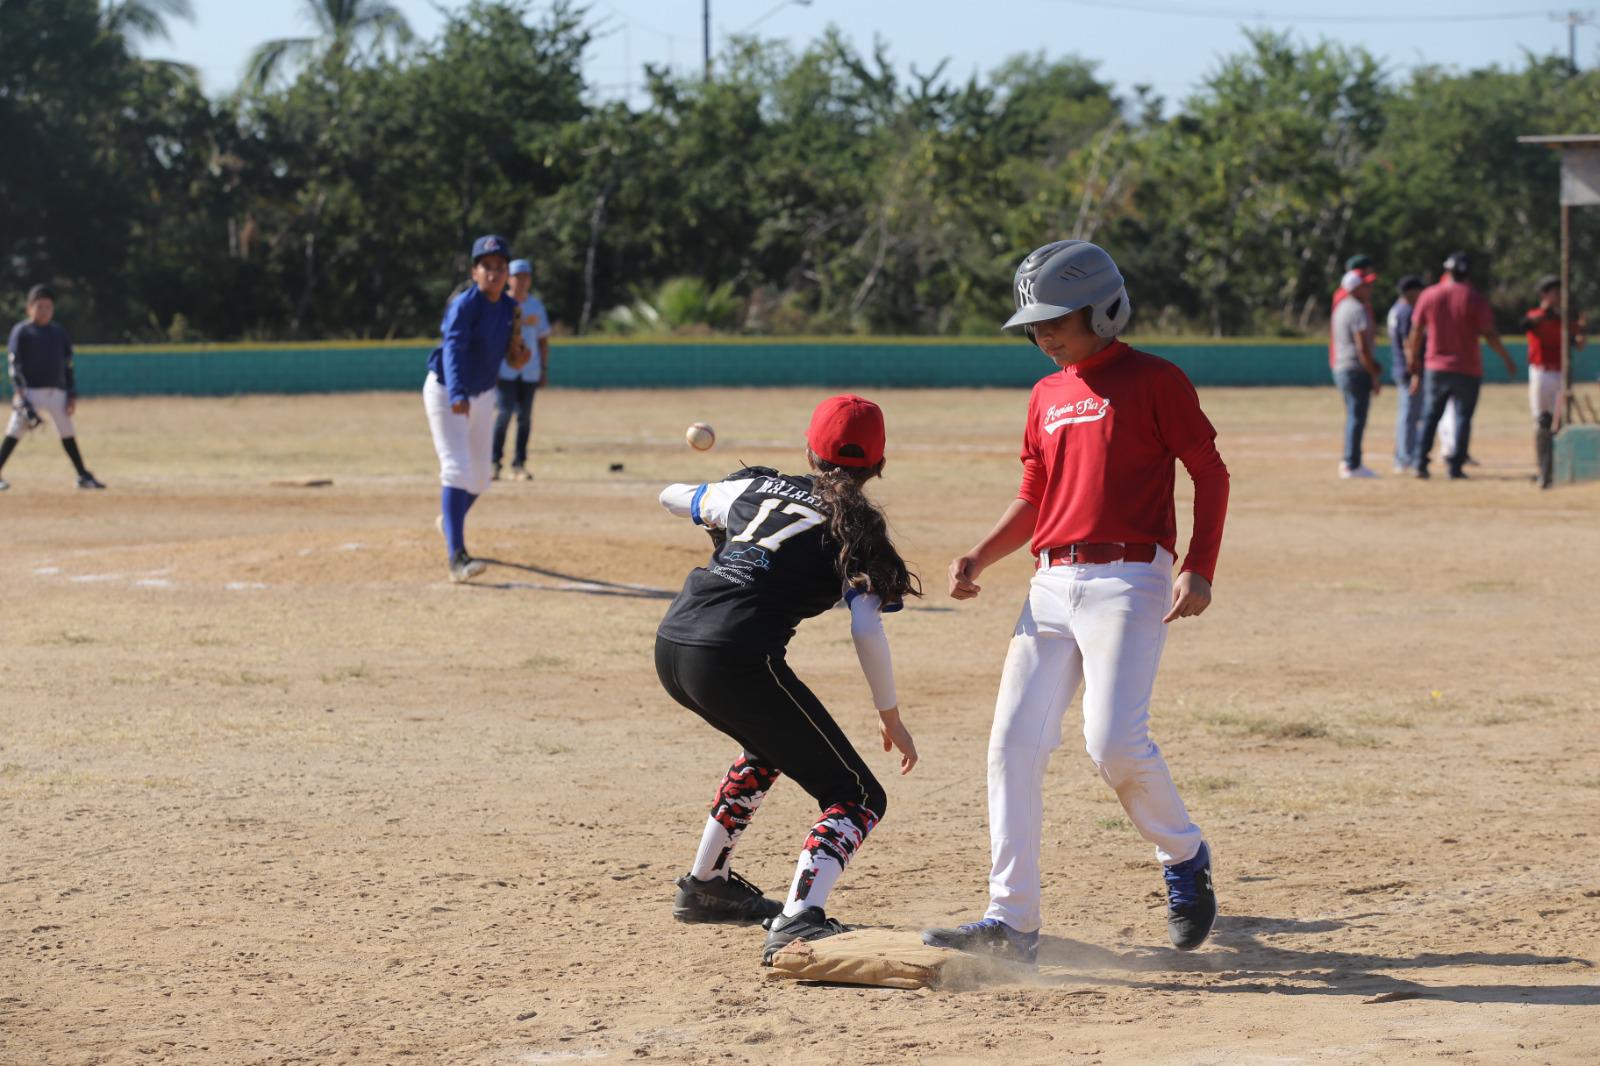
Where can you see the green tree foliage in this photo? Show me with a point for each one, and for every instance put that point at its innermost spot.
(822, 189)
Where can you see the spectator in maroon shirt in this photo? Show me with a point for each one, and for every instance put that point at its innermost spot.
(1446, 361)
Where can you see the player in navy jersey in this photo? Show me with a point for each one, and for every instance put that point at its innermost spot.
(788, 547)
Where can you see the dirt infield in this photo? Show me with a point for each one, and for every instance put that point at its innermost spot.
(274, 791)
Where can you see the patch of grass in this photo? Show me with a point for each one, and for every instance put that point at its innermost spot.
(543, 662)
(11, 769)
(73, 638)
(1488, 586)
(1208, 783)
(1114, 822)
(1385, 719)
(246, 679)
(1583, 782)
(359, 672)
(1268, 728)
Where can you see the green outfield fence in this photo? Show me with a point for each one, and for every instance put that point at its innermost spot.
(226, 370)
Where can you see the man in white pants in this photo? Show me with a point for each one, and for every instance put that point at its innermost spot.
(1096, 501)
(1543, 326)
(43, 382)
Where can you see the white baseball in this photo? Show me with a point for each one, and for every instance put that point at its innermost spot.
(700, 436)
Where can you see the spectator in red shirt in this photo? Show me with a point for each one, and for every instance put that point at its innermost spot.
(1543, 326)
(1446, 325)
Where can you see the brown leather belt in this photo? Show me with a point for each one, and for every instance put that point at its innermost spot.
(1085, 552)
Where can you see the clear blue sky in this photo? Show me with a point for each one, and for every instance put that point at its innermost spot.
(1156, 46)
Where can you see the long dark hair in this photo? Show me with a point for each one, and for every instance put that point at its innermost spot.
(868, 559)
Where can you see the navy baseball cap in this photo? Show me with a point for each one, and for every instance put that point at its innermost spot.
(1409, 282)
(490, 245)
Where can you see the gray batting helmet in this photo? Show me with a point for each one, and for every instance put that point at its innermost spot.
(1067, 276)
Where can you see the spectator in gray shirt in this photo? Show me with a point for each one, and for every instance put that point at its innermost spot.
(1409, 408)
(1354, 368)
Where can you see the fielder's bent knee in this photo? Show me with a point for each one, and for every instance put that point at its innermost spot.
(1118, 761)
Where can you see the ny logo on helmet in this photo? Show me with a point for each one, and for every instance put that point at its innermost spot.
(1024, 292)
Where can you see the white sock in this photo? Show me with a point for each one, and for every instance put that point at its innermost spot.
(712, 858)
(814, 877)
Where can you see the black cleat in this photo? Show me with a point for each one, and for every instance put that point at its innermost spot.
(809, 924)
(990, 936)
(718, 900)
(1191, 902)
(87, 480)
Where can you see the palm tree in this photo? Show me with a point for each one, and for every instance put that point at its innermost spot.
(133, 20)
(144, 18)
(347, 29)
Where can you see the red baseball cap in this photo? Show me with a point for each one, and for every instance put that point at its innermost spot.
(847, 431)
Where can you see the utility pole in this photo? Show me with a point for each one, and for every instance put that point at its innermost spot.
(1573, 20)
(705, 39)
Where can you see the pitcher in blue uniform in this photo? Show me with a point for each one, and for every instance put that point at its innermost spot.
(458, 394)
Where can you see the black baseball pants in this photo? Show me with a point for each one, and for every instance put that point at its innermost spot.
(757, 700)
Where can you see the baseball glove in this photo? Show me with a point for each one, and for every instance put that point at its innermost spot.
(747, 472)
(29, 415)
(517, 353)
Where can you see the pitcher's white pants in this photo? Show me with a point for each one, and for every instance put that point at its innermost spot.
(465, 443)
(1099, 625)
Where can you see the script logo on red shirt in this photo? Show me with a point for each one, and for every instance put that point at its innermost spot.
(1089, 409)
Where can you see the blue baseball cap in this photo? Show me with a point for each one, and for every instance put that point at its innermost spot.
(490, 245)
(521, 266)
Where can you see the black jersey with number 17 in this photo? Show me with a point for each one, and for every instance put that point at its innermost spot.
(776, 568)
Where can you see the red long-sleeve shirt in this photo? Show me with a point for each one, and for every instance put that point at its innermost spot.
(1098, 457)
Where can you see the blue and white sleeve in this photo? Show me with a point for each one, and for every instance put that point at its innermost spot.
(705, 504)
(872, 647)
(456, 331)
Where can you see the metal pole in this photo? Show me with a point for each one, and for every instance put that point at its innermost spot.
(1572, 56)
(1571, 403)
(705, 38)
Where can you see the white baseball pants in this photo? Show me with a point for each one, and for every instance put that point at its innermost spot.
(51, 403)
(1098, 625)
(465, 443)
(1544, 390)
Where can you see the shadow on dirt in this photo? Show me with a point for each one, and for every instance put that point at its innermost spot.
(1237, 960)
(573, 583)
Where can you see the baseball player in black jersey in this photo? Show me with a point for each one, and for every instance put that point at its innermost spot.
(788, 547)
(39, 360)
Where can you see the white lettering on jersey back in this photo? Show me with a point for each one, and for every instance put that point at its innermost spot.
(776, 486)
(1088, 409)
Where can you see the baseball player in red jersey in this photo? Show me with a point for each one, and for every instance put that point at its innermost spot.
(1543, 326)
(1098, 455)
